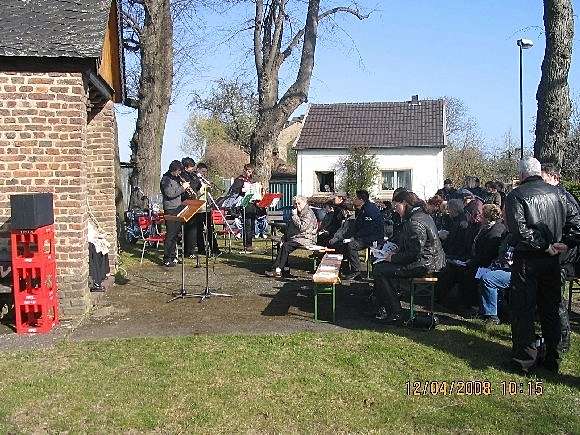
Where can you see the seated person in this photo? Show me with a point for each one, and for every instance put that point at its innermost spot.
(435, 207)
(493, 283)
(458, 243)
(301, 232)
(386, 208)
(419, 252)
(366, 229)
(333, 220)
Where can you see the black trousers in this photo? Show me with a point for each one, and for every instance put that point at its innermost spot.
(205, 220)
(535, 284)
(350, 252)
(467, 290)
(172, 234)
(386, 287)
(249, 224)
(190, 230)
(285, 249)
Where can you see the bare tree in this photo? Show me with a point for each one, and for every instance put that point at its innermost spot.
(233, 103)
(149, 30)
(271, 49)
(554, 108)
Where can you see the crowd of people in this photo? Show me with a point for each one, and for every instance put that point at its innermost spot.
(499, 256)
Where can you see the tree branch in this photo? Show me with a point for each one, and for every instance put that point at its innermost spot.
(257, 40)
(277, 38)
(298, 37)
(132, 23)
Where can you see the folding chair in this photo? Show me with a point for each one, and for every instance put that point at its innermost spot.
(217, 218)
(149, 234)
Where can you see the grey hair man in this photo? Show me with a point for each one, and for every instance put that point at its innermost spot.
(542, 224)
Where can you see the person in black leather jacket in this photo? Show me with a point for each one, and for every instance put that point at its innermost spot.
(542, 223)
(569, 261)
(419, 252)
(366, 229)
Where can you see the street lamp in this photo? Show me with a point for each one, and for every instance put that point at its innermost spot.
(524, 44)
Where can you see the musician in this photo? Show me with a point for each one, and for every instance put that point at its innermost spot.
(204, 218)
(190, 228)
(172, 187)
(237, 188)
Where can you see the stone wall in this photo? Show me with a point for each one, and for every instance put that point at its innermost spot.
(43, 148)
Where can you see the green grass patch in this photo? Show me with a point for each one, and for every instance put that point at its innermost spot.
(305, 382)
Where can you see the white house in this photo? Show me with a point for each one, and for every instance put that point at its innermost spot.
(406, 137)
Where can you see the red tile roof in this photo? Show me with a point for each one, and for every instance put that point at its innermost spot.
(417, 123)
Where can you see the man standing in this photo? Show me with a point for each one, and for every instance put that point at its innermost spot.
(171, 189)
(190, 227)
(237, 190)
(542, 223)
(569, 259)
(366, 229)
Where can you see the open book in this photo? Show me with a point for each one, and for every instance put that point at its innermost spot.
(380, 254)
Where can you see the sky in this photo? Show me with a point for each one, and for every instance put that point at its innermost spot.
(460, 48)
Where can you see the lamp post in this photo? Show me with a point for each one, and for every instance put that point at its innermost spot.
(524, 44)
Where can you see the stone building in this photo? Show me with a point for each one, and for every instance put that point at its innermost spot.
(61, 70)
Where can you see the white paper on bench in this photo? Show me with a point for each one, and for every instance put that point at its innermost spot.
(334, 256)
(328, 275)
(316, 248)
(324, 268)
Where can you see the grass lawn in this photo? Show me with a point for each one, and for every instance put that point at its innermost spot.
(305, 382)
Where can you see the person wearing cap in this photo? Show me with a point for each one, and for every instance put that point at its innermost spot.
(447, 191)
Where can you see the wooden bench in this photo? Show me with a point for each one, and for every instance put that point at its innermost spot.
(325, 279)
(428, 282)
(275, 220)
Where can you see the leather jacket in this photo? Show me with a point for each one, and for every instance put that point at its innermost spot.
(538, 214)
(420, 249)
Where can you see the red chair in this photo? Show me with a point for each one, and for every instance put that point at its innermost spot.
(217, 218)
(149, 234)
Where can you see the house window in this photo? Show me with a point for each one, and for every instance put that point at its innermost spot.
(392, 180)
(324, 181)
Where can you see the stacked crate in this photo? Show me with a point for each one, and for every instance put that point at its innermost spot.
(34, 279)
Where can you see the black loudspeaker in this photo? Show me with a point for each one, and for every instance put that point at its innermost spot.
(31, 211)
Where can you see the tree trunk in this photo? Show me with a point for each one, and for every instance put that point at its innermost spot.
(273, 114)
(554, 108)
(154, 98)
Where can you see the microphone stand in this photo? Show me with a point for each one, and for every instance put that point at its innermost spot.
(207, 292)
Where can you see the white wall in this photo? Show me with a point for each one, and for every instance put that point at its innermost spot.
(426, 165)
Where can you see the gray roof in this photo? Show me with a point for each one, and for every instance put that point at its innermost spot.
(53, 28)
(416, 123)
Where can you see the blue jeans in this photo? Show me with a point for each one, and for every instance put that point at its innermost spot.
(261, 226)
(493, 283)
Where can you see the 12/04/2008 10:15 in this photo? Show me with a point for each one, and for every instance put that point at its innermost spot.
(472, 388)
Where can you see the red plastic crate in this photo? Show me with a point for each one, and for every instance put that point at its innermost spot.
(34, 319)
(32, 246)
(33, 285)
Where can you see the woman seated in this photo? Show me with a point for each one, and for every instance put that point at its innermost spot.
(436, 208)
(301, 232)
(419, 252)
